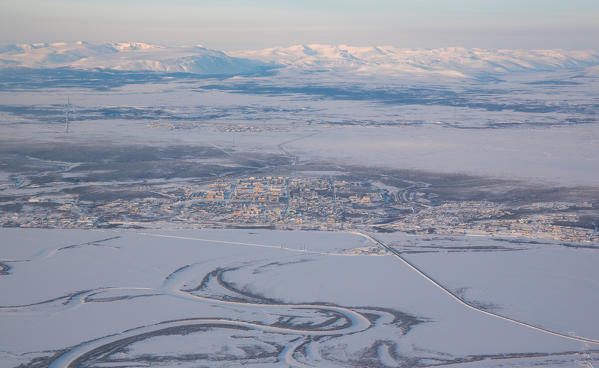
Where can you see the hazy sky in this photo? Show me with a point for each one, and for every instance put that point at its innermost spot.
(238, 24)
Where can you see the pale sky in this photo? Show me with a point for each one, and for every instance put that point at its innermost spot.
(245, 24)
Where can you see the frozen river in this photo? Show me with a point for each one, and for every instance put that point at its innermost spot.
(279, 298)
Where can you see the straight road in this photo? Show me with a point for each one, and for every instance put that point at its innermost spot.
(465, 303)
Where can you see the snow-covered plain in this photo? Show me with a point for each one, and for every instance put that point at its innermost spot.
(505, 113)
(264, 298)
(532, 146)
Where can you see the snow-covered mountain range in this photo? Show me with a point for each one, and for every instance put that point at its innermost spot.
(387, 60)
(452, 62)
(130, 56)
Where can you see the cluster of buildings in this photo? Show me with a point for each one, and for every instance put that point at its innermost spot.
(306, 202)
(320, 203)
(245, 128)
(481, 218)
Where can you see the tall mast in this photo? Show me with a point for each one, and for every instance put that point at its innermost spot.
(66, 114)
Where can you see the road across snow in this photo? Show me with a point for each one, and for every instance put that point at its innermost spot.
(468, 305)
